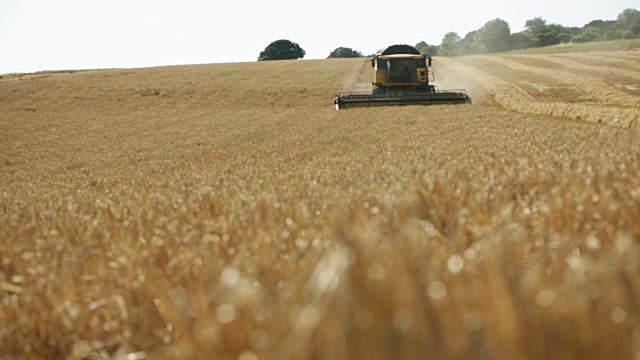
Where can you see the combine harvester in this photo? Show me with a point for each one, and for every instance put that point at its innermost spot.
(402, 76)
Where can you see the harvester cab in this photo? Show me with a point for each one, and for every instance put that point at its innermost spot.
(402, 71)
(402, 76)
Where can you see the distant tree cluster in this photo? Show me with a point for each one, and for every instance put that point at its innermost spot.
(282, 50)
(496, 36)
(289, 50)
(344, 52)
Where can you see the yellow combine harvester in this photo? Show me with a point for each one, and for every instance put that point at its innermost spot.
(402, 76)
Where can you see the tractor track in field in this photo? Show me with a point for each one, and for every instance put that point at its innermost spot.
(604, 60)
(564, 65)
(625, 80)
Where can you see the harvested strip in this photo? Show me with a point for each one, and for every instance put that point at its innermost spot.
(515, 98)
(572, 67)
(602, 92)
(534, 87)
(601, 60)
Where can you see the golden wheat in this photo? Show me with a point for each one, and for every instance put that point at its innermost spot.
(227, 211)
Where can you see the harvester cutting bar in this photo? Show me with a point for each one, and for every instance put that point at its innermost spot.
(354, 99)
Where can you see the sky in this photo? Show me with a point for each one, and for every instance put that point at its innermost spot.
(37, 35)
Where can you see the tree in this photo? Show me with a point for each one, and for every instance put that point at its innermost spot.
(538, 31)
(470, 44)
(535, 26)
(451, 43)
(421, 45)
(344, 52)
(547, 38)
(430, 50)
(601, 27)
(580, 38)
(543, 34)
(564, 37)
(629, 19)
(587, 35)
(282, 50)
(494, 35)
(519, 41)
(617, 34)
(471, 37)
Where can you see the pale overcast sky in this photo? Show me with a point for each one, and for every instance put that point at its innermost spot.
(88, 34)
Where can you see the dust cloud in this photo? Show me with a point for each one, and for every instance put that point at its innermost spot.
(448, 76)
(360, 78)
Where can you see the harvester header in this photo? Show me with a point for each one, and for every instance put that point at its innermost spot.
(402, 76)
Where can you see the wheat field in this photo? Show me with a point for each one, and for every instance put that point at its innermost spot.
(228, 211)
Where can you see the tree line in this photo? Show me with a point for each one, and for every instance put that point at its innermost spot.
(494, 36)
